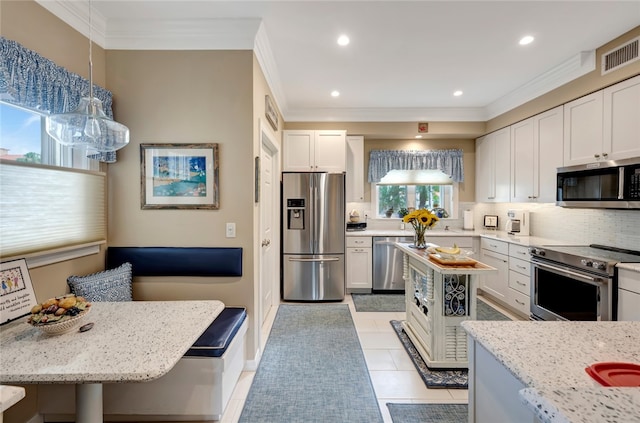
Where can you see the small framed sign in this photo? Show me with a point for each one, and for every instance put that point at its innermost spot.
(490, 221)
(16, 297)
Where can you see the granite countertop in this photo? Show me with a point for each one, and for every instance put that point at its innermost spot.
(130, 341)
(549, 358)
(635, 267)
(9, 395)
(484, 233)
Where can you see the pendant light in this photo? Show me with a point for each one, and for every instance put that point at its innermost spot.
(88, 126)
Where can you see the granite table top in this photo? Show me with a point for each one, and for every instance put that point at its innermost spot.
(549, 358)
(130, 341)
(9, 395)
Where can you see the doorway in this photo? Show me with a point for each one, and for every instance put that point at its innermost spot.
(269, 199)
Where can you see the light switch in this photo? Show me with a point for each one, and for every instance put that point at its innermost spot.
(231, 230)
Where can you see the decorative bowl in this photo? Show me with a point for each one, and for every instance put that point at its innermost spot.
(65, 325)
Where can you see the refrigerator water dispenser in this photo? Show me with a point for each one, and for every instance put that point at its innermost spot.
(295, 213)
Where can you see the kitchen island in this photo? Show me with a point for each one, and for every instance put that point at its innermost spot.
(535, 371)
(439, 296)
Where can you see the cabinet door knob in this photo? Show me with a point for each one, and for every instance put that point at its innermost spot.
(605, 154)
(597, 156)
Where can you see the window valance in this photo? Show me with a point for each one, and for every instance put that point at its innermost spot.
(35, 82)
(448, 161)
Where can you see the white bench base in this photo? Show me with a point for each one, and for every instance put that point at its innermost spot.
(197, 388)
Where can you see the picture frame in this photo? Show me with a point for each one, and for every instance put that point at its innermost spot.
(179, 176)
(490, 221)
(17, 297)
(271, 112)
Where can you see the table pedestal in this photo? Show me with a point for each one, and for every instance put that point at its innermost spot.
(89, 403)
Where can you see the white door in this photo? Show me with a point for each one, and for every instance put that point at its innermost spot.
(269, 230)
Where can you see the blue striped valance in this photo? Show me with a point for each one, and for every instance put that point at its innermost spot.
(448, 161)
(35, 82)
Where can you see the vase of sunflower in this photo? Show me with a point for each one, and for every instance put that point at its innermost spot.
(421, 220)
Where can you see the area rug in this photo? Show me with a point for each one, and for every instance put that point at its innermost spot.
(443, 378)
(428, 413)
(379, 302)
(312, 370)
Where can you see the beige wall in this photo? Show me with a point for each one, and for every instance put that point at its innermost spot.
(35, 28)
(167, 97)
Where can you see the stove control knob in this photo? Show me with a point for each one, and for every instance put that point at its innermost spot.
(598, 265)
(586, 262)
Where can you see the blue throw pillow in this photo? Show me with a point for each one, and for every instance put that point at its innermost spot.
(109, 285)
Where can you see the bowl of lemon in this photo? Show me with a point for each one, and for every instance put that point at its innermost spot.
(60, 314)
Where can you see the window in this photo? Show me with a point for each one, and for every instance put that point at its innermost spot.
(425, 189)
(23, 139)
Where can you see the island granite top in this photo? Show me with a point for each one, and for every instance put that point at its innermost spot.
(550, 359)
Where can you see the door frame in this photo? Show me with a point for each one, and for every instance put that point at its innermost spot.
(268, 142)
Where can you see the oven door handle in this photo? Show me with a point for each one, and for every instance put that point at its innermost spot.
(589, 279)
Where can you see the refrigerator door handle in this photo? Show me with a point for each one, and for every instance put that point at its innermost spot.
(315, 259)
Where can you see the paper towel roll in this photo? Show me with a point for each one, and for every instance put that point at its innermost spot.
(468, 219)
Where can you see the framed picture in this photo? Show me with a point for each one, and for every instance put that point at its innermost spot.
(270, 112)
(490, 221)
(16, 296)
(179, 176)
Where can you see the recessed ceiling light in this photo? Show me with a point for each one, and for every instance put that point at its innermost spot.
(343, 40)
(335, 93)
(526, 40)
(418, 136)
(457, 93)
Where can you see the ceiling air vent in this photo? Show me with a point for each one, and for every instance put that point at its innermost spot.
(621, 56)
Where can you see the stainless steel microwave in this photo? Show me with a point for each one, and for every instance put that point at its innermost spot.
(613, 184)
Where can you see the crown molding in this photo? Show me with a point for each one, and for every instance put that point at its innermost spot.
(575, 67)
(396, 114)
(266, 60)
(185, 34)
(76, 15)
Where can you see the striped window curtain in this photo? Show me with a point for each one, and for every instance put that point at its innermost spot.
(448, 161)
(35, 82)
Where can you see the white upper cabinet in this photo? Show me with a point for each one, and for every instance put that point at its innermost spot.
(621, 123)
(493, 155)
(604, 125)
(583, 130)
(536, 153)
(314, 151)
(355, 168)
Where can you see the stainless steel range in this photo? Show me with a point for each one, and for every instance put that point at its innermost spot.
(576, 282)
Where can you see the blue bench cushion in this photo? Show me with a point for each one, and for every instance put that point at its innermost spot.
(215, 340)
(178, 261)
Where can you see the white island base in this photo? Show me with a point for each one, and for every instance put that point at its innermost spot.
(439, 297)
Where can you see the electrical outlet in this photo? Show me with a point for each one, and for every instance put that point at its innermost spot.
(231, 230)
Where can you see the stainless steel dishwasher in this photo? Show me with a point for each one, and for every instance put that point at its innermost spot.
(387, 264)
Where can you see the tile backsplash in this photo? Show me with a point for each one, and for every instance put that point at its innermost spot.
(619, 228)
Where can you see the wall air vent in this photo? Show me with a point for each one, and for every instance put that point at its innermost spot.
(620, 56)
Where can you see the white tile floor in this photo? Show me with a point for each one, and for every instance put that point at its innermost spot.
(393, 375)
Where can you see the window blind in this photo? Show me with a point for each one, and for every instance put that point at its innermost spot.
(42, 208)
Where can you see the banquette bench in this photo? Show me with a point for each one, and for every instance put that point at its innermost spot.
(200, 385)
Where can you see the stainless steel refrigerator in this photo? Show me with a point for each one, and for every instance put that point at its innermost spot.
(313, 236)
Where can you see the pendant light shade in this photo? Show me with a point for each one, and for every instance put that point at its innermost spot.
(88, 127)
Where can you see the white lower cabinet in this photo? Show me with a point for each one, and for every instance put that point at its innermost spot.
(628, 295)
(519, 279)
(359, 264)
(495, 254)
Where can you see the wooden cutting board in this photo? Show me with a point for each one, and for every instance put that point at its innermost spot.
(461, 261)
